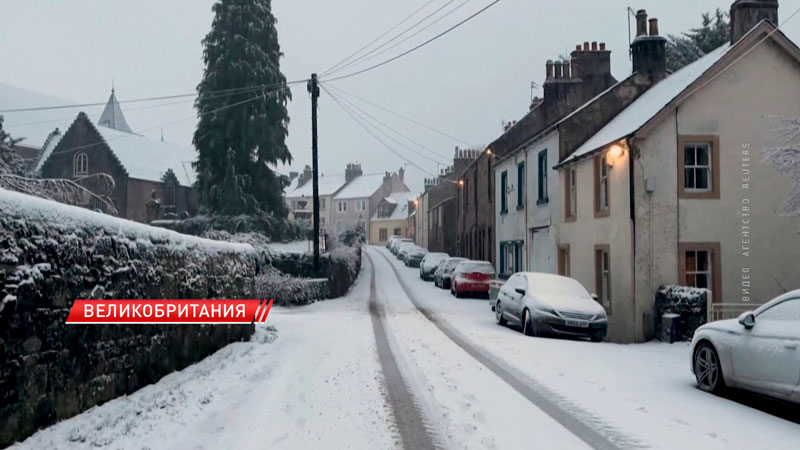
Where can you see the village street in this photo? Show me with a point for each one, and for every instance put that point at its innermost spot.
(398, 362)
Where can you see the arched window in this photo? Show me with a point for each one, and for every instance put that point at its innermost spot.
(80, 166)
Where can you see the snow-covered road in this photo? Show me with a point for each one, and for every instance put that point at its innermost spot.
(323, 380)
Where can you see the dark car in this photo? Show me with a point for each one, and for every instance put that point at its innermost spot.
(414, 256)
(429, 264)
(472, 278)
(442, 276)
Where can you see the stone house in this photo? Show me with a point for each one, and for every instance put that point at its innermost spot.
(674, 189)
(391, 217)
(528, 187)
(564, 91)
(151, 179)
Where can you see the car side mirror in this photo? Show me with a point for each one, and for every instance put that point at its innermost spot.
(595, 297)
(519, 290)
(748, 319)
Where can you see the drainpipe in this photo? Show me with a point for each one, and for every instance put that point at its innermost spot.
(528, 254)
(631, 186)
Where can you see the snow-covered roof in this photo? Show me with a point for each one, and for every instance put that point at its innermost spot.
(142, 157)
(361, 187)
(400, 211)
(638, 113)
(33, 126)
(112, 116)
(328, 185)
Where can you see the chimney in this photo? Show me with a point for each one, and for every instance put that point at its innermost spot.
(305, 177)
(352, 172)
(401, 173)
(549, 69)
(746, 14)
(649, 49)
(590, 60)
(293, 175)
(565, 69)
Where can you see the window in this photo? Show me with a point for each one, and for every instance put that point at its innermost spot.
(491, 180)
(322, 203)
(788, 310)
(563, 260)
(503, 192)
(699, 267)
(397, 232)
(542, 178)
(602, 269)
(698, 167)
(361, 205)
(383, 234)
(601, 204)
(80, 166)
(385, 210)
(520, 185)
(342, 206)
(571, 194)
(465, 191)
(510, 257)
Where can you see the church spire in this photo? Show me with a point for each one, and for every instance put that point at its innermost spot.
(112, 116)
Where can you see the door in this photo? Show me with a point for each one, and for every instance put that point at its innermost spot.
(510, 298)
(767, 356)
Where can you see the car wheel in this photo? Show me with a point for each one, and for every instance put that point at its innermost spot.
(498, 314)
(527, 324)
(707, 369)
(596, 338)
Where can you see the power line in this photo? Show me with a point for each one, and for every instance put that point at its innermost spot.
(212, 94)
(371, 52)
(377, 38)
(407, 38)
(442, 158)
(481, 11)
(414, 121)
(376, 137)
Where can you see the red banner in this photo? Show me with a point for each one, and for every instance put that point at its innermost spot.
(169, 311)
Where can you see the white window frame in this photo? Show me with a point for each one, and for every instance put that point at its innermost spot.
(361, 205)
(709, 272)
(573, 192)
(80, 165)
(698, 167)
(341, 207)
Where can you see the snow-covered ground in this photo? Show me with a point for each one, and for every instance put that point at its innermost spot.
(292, 247)
(317, 383)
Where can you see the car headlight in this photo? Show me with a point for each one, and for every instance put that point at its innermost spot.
(547, 310)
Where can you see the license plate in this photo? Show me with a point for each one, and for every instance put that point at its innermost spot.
(577, 323)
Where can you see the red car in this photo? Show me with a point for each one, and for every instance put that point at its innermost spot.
(472, 277)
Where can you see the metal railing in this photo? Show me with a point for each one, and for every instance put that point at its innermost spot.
(723, 311)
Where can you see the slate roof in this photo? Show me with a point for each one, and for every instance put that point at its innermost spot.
(112, 116)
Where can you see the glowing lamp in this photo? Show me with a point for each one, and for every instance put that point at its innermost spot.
(615, 152)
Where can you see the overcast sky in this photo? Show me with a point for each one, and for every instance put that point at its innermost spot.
(465, 84)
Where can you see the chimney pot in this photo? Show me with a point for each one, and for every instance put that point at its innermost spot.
(558, 69)
(602, 46)
(746, 14)
(578, 48)
(549, 68)
(653, 27)
(586, 46)
(641, 23)
(565, 67)
(594, 46)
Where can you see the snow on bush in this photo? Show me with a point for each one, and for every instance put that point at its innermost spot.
(687, 302)
(786, 159)
(288, 290)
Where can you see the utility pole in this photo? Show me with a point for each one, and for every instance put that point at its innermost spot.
(313, 89)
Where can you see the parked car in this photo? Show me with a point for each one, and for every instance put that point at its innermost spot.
(428, 265)
(396, 244)
(759, 351)
(545, 304)
(445, 270)
(471, 278)
(403, 248)
(391, 239)
(414, 256)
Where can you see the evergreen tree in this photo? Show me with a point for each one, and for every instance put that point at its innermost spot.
(242, 51)
(692, 45)
(230, 197)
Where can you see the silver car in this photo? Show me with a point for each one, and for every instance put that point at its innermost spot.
(759, 351)
(395, 245)
(428, 265)
(441, 278)
(545, 304)
(403, 248)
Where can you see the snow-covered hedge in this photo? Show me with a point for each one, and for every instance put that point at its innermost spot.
(51, 254)
(687, 302)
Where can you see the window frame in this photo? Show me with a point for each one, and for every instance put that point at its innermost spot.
(504, 192)
(521, 185)
(361, 205)
(599, 272)
(601, 183)
(715, 265)
(714, 178)
(383, 234)
(564, 260)
(80, 165)
(341, 206)
(570, 188)
(543, 196)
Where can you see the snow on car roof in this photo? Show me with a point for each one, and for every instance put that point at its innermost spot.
(638, 113)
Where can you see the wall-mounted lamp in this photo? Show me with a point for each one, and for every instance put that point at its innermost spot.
(460, 183)
(614, 153)
(489, 152)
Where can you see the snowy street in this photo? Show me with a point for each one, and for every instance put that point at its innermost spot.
(399, 363)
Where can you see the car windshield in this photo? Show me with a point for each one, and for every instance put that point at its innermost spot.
(433, 259)
(479, 267)
(452, 263)
(418, 251)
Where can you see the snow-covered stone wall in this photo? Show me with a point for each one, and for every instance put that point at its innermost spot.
(52, 254)
(688, 303)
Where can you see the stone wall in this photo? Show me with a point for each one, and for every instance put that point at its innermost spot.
(52, 254)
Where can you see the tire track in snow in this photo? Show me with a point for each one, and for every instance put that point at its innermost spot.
(586, 426)
(408, 417)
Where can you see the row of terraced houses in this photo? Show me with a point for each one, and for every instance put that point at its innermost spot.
(628, 185)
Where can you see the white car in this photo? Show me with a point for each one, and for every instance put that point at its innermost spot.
(545, 304)
(759, 351)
